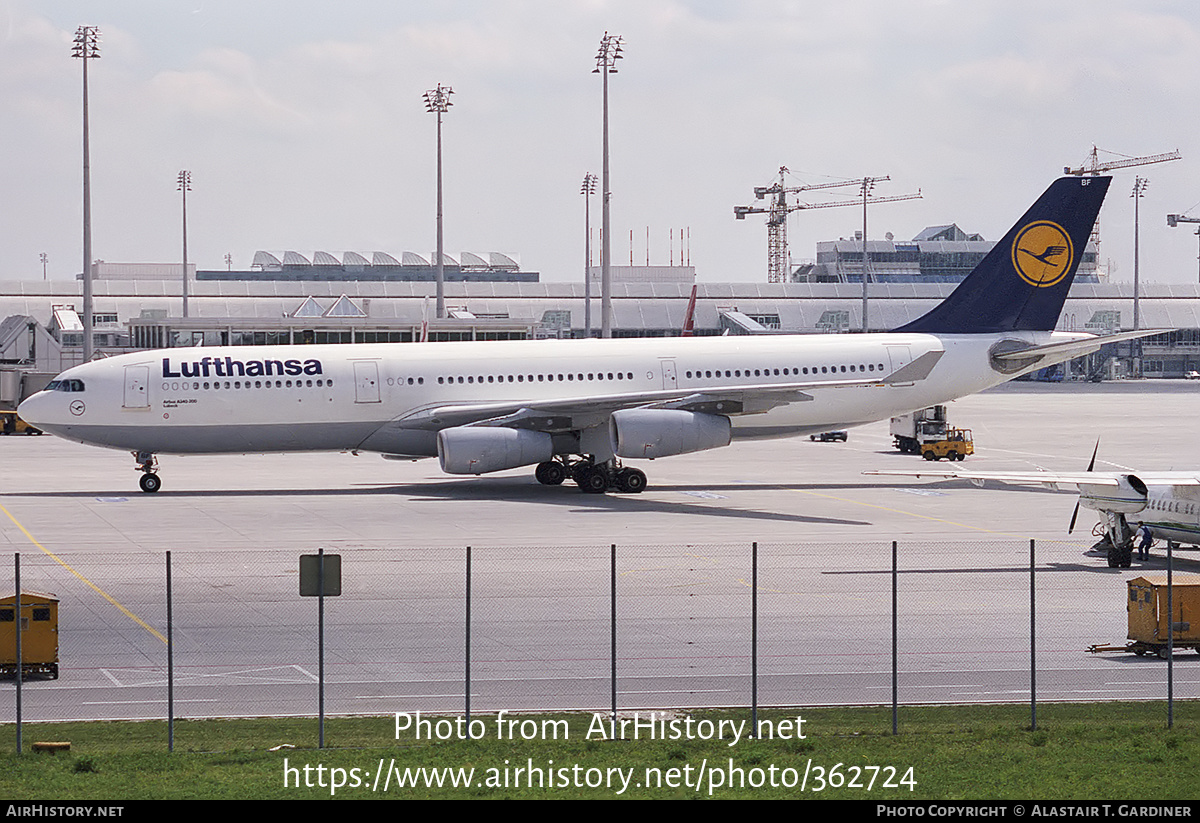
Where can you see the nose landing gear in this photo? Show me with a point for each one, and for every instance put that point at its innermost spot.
(147, 463)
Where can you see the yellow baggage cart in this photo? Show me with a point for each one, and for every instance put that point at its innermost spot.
(1149, 623)
(39, 635)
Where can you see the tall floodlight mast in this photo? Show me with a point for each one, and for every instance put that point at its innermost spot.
(184, 185)
(1140, 184)
(606, 64)
(587, 190)
(1139, 191)
(437, 101)
(87, 47)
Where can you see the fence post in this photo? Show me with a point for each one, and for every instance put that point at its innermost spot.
(895, 644)
(17, 628)
(321, 647)
(467, 653)
(1170, 637)
(170, 665)
(754, 639)
(1032, 637)
(613, 638)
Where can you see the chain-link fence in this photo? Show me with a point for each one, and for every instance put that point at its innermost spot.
(589, 627)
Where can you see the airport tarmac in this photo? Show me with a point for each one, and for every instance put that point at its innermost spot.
(245, 642)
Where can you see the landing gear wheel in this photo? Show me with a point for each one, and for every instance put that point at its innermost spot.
(150, 483)
(1126, 558)
(631, 481)
(550, 473)
(1114, 558)
(594, 481)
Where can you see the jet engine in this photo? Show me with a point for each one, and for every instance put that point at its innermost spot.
(1128, 497)
(651, 433)
(482, 449)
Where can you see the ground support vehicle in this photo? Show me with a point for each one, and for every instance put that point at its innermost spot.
(1146, 605)
(39, 636)
(10, 423)
(957, 444)
(910, 431)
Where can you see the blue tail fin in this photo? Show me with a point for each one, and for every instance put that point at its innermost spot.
(1023, 281)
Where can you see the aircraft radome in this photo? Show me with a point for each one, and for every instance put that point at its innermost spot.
(577, 408)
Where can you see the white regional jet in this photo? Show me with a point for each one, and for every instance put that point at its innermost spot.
(1167, 502)
(576, 408)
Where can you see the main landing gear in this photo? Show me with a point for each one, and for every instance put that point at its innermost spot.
(591, 477)
(147, 464)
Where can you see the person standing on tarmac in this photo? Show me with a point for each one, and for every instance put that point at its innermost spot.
(1144, 540)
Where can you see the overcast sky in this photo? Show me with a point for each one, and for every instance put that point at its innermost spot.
(303, 126)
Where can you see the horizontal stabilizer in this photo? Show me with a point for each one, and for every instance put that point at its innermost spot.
(1071, 348)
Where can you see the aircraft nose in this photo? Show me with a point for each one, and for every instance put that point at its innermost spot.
(36, 409)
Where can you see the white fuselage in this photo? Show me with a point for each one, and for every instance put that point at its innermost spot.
(1170, 509)
(379, 397)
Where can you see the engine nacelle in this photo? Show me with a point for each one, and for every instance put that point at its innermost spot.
(651, 433)
(1129, 496)
(482, 449)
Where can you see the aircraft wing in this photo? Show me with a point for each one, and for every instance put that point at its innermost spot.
(563, 414)
(1050, 480)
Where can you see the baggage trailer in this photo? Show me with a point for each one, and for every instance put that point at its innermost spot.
(1146, 605)
(39, 636)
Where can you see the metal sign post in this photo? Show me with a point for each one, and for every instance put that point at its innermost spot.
(320, 577)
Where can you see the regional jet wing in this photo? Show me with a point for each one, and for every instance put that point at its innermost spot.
(564, 413)
(1050, 480)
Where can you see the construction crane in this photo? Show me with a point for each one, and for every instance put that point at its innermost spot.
(1093, 165)
(1173, 220)
(779, 208)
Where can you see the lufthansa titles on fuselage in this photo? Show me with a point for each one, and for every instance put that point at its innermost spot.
(228, 367)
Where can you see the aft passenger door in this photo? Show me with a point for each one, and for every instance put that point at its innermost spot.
(898, 358)
(137, 382)
(366, 381)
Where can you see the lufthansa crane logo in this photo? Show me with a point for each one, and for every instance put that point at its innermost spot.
(1042, 253)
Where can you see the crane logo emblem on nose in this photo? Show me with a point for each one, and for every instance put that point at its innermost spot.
(77, 408)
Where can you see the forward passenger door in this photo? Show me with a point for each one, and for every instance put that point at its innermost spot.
(366, 381)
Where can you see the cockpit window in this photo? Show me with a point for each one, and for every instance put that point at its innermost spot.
(65, 385)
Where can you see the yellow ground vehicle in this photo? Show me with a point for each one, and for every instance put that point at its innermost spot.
(1146, 605)
(957, 445)
(11, 424)
(39, 635)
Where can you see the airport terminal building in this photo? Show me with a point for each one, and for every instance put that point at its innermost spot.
(290, 298)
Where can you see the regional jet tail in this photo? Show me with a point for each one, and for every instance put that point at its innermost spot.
(578, 408)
